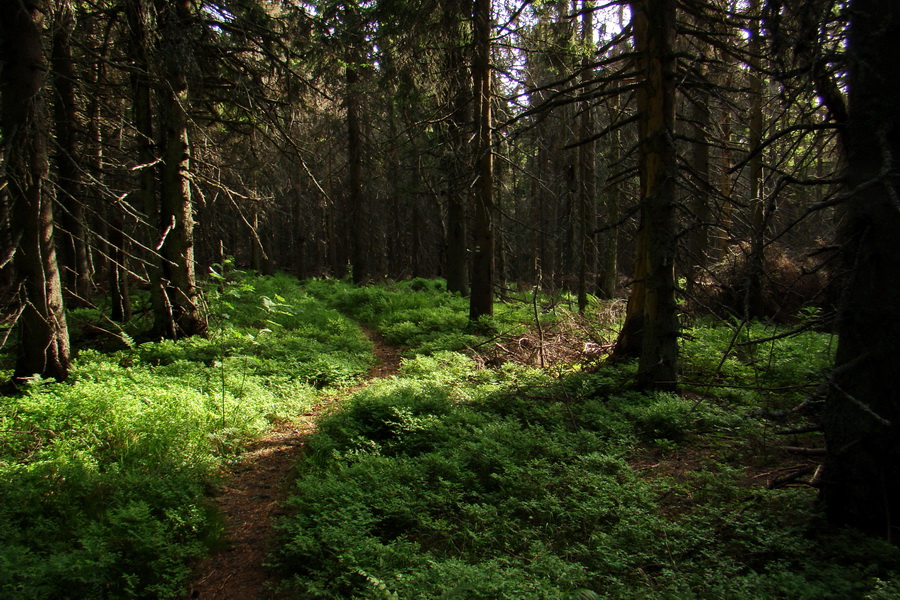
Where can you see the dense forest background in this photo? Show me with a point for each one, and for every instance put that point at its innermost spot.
(568, 146)
(733, 160)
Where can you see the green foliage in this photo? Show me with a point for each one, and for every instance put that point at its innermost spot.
(792, 359)
(103, 481)
(455, 482)
(419, 315)
(447, 481)
(285, 330)
(430, 496)
(657, 416)
(387, 417)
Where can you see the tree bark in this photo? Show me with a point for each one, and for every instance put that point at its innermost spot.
(698, 241)
(457, 156)
(118, 272)
(358, 221)
(726, 189)
(481, 301)
(607, 278)
(74, 246)
(299, 236)
(754, 302)
(112, 230)
(43, 334)
(140, 22)
(587, 215)
(176, 220)
(861, 486)
(651, 321)
(7, 240)
(256, 251)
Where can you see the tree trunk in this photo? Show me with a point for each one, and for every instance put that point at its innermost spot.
(398, 258)
(74, 244)
(457, 247)
(137, 13)
(256, 251)
(698, 241)
(726, 188)
(754, 302)
(607, 279)
(118, 272)
(299, 234)
(359, 225)
(7, 240)
(651, 321)
(457, 156)
(112, 228)
(587, 216)
(862, 418)
(176, 220)
(416, 246)
(43, 335)
(481, 301)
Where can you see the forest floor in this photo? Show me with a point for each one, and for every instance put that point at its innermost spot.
(252, 497)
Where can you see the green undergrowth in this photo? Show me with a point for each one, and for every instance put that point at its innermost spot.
(752, 364)
(422, 317)
(103, 480)
(447, 481)
(451, 481)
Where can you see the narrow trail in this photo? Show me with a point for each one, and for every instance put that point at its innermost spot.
(252, 495)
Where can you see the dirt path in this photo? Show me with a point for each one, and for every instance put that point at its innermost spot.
(252, 497)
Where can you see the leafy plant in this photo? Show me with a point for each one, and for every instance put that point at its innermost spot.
(453, 481)
(103, 481)
(419, 315)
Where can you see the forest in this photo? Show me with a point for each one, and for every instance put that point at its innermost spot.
(526, 299)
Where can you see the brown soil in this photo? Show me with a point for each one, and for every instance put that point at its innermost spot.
(252, 496)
